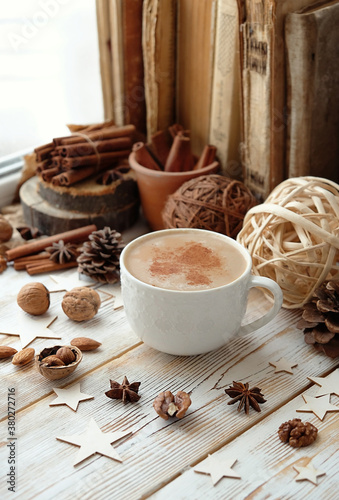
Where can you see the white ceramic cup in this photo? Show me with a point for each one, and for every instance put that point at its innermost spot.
(192, 322)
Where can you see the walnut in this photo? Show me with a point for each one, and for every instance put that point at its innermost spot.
(81, 303)
(66, 355)
(33, 298)
(297, 433)
(6, 230)
(166, 405)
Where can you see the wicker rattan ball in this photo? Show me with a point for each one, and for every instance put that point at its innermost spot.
(209, 202)
(293, 237)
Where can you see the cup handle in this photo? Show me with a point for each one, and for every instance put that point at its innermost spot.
(278, 299)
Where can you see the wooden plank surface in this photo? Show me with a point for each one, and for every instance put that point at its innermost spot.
(159, 456)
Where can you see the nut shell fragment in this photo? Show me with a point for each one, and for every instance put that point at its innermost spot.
(56, 372)
(34, 298)
(81, 303)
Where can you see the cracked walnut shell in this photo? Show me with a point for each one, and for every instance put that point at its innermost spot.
(34, 298)
(297, 433)
(166, 405)
(81, 303)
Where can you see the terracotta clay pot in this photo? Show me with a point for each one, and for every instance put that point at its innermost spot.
(155, 186)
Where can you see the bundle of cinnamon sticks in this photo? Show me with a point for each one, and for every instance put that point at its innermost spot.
(34, 258)
(88, 150)
(170, 151)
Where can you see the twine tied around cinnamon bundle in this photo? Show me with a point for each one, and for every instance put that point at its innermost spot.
(293, 237)
(210, 202)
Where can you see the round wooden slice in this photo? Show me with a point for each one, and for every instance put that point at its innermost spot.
(54, 210)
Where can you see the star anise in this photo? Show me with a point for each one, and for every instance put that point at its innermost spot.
(124, 391)
(62, 252)
(247, 397)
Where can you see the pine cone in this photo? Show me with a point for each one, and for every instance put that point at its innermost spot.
(99, 257)
(320, 319)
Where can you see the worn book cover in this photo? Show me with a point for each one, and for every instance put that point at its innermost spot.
(312, 64)
(159, 53)
(264, 92)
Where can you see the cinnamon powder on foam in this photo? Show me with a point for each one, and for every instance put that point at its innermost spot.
(193, 260)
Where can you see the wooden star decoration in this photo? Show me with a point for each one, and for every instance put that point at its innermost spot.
(328, 385)
(114, 290)
(28, 328)
(319, 406)
(308, 473)
(68, 282)
(93, 440)
(283, 365)
(217, 468)
(70, 397)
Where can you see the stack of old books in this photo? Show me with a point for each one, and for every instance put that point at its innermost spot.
(258, 79)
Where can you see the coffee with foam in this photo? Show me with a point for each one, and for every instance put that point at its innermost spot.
(187, 261)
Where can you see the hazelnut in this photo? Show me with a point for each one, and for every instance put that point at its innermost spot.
(81, 303)
(6, 230)
(66, 355)
(33, 298)
(52, 361)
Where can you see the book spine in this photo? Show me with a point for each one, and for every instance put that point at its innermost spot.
(225, 107)
(299, 36)
(257, 36)
(159, 51)
(134, 106)
(195, 52)
(104, 39)
(115, 12)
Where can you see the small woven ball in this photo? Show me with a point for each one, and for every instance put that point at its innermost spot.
(212, 202)
(293, 237)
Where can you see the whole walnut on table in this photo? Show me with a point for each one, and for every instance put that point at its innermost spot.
(81, 303)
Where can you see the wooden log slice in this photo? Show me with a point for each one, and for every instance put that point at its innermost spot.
(54, 210)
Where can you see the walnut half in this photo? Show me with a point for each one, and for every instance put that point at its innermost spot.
(297, 433)
(166, 405)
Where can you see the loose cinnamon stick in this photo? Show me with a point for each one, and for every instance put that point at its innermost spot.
(161, 142)
(144, 157)
(207, 157)
(32, 258)
(94, 160)
(47, 267)
(79, 234)
(89, 128)
(106, 133)
(86, 149)
(180, 158)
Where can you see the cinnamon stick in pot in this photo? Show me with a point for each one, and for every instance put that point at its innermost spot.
(207, 157)
(180, 158)
(144, 157)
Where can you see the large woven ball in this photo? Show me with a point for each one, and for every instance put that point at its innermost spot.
(293, 237)
(211, 202)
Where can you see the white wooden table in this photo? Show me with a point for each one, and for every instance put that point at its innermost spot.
(159, 456)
